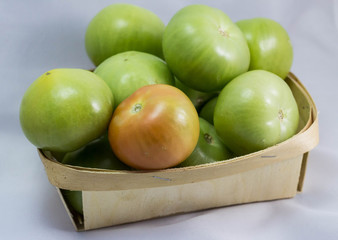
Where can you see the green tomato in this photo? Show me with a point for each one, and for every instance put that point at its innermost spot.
(74, 199)
(207, 111)
(204, 48)
(123, 27)
(198, 98)
(209, 147)
(64, 109)
(254, 111)
(97, 154)
(269, 44)
(128, 71)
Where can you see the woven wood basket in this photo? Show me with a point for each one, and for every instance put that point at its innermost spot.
(116, 197)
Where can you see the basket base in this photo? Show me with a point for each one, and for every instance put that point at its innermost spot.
(107, 208)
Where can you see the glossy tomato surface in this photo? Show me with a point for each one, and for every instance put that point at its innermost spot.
(204, 48)
(254, 111)
(64, 109)
(128, 71)
(155, 128)
(97, 154)
(209, 148)
(123, 27)
(269, 44)
(198, 98)
(207, 111)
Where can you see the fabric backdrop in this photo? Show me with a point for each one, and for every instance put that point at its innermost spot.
(39, 35)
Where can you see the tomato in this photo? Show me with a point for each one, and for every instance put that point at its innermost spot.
(123, 27)
(198, 98)
(97, 154)
(156, 127)
(73, 199)
(207, 111)
(209, 147)
(269, 44)
(254, 111)
(204, 48)
(64, 109)
(128, 71)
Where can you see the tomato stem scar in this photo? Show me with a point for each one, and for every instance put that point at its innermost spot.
(208, 138)
(223, 32)
(137, 107)
(280, 114)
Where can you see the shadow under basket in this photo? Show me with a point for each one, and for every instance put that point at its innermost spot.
(115, 197)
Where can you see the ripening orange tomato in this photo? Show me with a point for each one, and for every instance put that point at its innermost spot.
(155, 128)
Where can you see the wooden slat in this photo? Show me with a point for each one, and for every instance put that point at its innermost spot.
(274, 181)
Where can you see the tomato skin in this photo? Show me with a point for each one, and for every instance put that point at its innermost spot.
(254, 111)
(204, 48)
(123, 27)
(128, 71)
(97, 154)
(269, 44)
(209, 148)
(207, 111)
(155, 128)
(198, 98)
(65, 109)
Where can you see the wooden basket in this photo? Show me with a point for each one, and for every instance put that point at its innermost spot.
(116, 197)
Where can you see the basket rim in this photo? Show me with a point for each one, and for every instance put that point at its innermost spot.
(88, 179)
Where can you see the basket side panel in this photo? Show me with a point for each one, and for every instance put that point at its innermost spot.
(75, 218)
(302, 172)
(275, 181)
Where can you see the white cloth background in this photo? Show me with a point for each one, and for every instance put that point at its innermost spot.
(39, 35)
